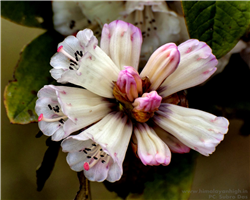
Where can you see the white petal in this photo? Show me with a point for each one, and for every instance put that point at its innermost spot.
(122, 42)
(113, 133)
(197, 64)
(82, 107)
(96, 73)
(196, 129)
(151, 149)
(157, 6)
(115, 172)
(175, 145)
(68, 17)
(101, 11)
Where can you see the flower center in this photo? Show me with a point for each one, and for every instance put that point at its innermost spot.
(132, 93)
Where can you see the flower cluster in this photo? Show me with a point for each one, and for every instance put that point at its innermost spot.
(157, 22)
(113, 104)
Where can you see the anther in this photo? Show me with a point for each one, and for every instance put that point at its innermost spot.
(72, 24)
(50, 107)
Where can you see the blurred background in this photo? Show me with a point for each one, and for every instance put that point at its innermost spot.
(226, 171)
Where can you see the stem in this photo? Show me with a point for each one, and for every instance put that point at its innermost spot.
(84, 189)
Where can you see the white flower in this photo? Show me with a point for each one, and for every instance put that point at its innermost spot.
(118, 103)
(157, 22)
(68, 17)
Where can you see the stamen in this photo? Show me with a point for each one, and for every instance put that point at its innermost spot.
(96, 153)
(42, 118)
(60, 49)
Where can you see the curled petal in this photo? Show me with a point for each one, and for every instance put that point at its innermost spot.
(122, 42)
(151, 149)
(161, 64)
(197, 64)
(196, 129)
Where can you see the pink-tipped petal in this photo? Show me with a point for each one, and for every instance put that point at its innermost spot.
(161, 64)
(122, 42)
(197, 64)
(151, 149)
(196, 129)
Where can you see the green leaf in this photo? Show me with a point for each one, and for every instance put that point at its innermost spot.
(28, 13)
(31, 74)
(173, 181)
(218, 23)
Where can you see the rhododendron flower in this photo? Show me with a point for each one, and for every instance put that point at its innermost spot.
(114, 103)
(68, 18)
(157, 22)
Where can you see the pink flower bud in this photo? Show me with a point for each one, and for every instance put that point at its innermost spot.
(149, 102)
(129, 82)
